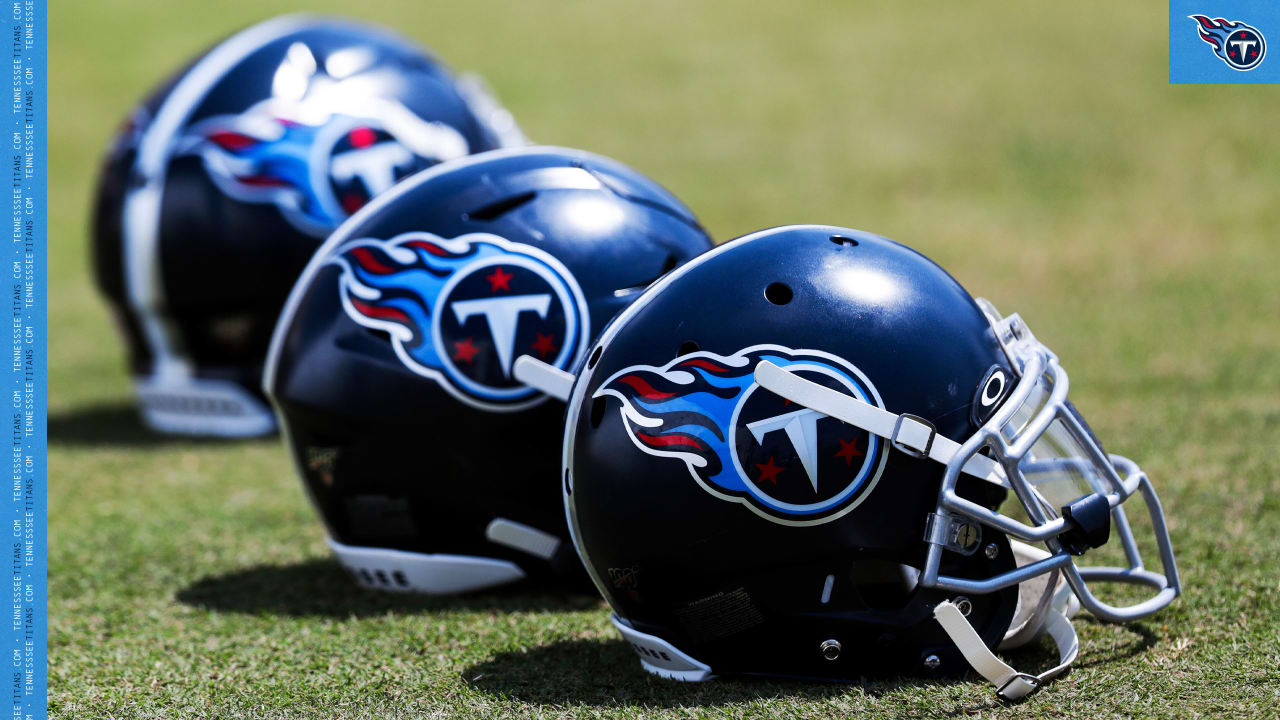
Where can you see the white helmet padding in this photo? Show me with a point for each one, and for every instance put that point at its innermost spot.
(188, 405)
(433, 574)
(1036, 598)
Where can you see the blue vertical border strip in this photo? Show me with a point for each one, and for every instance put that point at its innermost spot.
(1193, 61)
(28, 276)
(38, 705)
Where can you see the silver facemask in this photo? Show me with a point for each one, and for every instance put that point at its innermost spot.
(1071, 492)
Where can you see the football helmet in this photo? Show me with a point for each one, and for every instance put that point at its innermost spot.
(789, 457)
(392, 367)
(224, 181)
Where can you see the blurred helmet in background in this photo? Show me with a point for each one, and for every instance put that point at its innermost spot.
(788, 458)
(393, 366)
(223, 182)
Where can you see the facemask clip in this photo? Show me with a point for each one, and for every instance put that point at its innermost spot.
(953, 534)
(1089, 519)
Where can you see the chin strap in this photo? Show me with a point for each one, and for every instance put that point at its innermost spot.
(1010, 684)
(543, 376)
(908, 433)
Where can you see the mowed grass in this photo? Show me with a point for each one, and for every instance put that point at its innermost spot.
(1035, 151)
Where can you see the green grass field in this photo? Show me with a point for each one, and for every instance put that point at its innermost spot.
(1037, 152)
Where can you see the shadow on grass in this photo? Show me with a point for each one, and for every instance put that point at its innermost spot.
(1132, 639)
(115, 424)
(606, 673)
(322, 588)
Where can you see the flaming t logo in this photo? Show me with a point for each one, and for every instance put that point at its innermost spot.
(794, 466)
(1240, 46)
(460, 311)
(306, 149)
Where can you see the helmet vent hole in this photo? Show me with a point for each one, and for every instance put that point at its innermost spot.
(597, 412)
(497, 209)
(670, 264)
(778, 293)
(844, 241)
(568, 486)
(595, 357)
(688, 347)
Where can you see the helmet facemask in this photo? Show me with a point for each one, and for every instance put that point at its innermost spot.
(1071, 492)
(1061, 476)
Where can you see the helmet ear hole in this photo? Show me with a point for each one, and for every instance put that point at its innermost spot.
(688, 347)
(996, 385)
(778, 293)
(884, 584)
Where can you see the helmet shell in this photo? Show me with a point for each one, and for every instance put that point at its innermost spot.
(744, 531)
(221, 184)
(409, 430)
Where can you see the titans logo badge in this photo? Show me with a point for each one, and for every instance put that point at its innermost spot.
(461, 311)
(741, 443)
(1240, 46)
(304, 151)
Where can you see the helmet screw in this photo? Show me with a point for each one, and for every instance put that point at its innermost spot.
(830, 649)
(966, 536)
(991, 551)
(963, 604)
(933, 662)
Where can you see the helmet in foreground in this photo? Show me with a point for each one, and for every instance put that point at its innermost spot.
(788, 458)
(393, 366)
(224, 181)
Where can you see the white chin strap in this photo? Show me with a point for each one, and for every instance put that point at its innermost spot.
(908, 433)
(541, 376)
(1010, 684)
(1050, 614)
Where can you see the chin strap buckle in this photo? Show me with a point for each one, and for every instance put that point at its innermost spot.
(913, 435)
(1018, 687)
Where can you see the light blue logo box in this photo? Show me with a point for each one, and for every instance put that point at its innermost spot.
(1192, 60)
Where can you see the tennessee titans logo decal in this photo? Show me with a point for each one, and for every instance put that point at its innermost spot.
(741, 443)
(1240, 46)
(461, 311)
(303, 150)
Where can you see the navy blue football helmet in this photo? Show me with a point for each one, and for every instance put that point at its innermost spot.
(393, 366)
(224, 181)
(788, 458)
